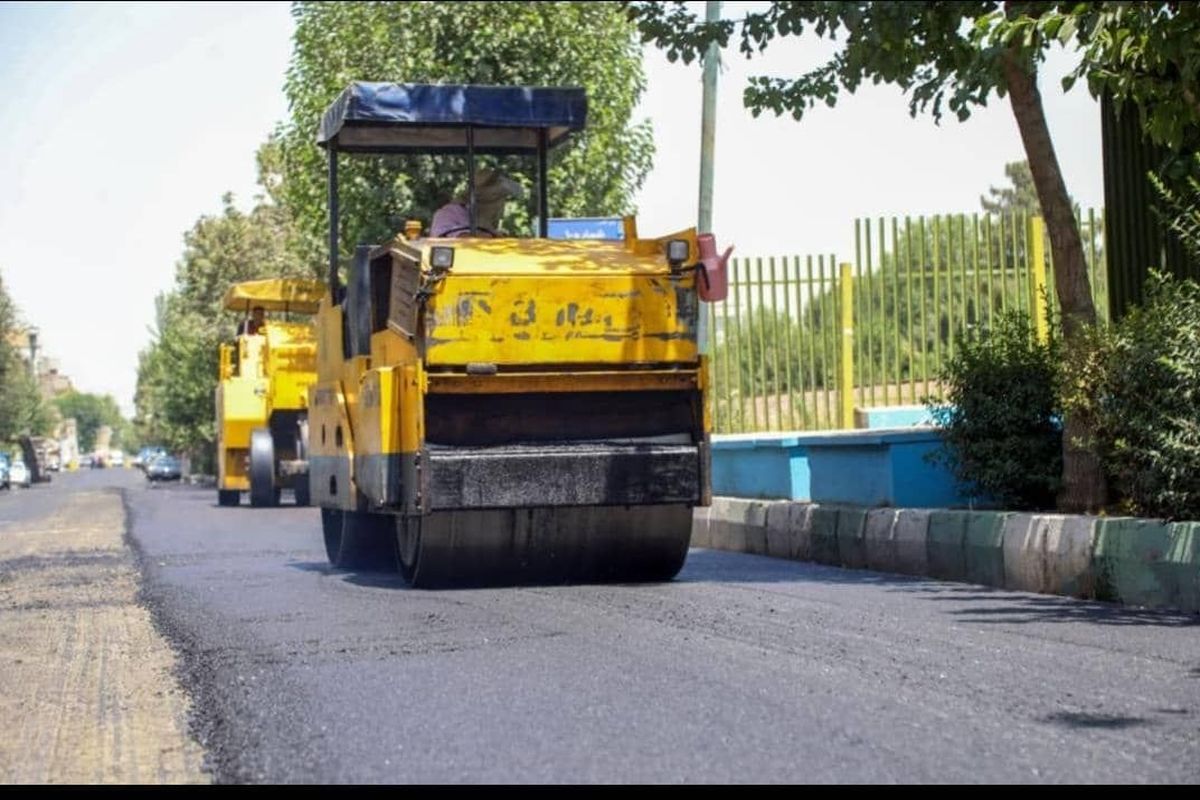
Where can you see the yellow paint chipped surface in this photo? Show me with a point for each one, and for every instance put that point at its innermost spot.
(87, 693)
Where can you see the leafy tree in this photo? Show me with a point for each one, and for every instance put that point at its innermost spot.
(91, 411)
(1142, 379)
(955, 56)
(177, 372)
(937, 278)
(21, 407)
(1020, 196)
(1180, 209)
(588, 44)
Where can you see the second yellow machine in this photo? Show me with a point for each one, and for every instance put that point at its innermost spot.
(495, 409)
(262, 392)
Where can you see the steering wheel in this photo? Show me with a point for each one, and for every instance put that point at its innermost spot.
(478, 229)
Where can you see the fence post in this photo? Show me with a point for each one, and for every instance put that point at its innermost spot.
(1037, 274)
(846, 365)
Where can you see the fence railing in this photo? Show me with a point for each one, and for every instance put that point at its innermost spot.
(803, 340)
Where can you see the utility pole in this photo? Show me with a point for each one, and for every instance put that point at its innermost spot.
(708, 131)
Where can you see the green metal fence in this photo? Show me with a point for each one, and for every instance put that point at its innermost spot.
(795, 331)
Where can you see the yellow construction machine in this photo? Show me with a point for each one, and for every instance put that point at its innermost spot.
(503, 409)
(262, 392)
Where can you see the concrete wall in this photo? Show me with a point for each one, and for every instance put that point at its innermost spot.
(1131, 561)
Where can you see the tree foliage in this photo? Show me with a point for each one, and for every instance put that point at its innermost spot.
(588, 44)
(1149, 401)
(934, 279)
(1019, 196)
(21, 408)
(91, 411)
(1144, 53)
(1000, 415)
(177, 372)
(953, 57)
(1179, 209)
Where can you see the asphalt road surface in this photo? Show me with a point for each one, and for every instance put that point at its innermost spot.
(744, 669)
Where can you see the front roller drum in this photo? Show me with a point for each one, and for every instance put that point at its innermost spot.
(263, 491)
(568, 544)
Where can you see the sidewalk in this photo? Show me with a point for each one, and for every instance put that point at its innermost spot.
(87, 693)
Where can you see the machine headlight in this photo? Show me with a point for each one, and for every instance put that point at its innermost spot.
(441, 257)
(677, 251)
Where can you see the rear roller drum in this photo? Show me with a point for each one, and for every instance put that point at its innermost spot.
(357, 540)
(262, 469)
(544, 545)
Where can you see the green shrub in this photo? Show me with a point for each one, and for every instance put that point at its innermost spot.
(1148, 404)
(1002, 439)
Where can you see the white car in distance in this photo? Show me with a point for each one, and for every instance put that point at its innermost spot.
(19, 475)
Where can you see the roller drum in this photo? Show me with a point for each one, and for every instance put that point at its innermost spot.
(263, 491)
(564, 544)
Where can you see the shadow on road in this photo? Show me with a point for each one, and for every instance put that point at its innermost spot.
(1020, 607)
(1008, 607)
(1070, 719)
(376, 579)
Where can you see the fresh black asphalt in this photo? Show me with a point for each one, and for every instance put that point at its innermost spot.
(743, 670)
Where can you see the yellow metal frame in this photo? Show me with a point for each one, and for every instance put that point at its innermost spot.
(605, 316)
(262, 373)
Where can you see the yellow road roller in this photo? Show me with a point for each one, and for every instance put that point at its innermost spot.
(262, 391)
(497, 408)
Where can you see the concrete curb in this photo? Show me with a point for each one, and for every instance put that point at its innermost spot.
(1136, 562)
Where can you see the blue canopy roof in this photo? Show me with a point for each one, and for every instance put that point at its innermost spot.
(433, 118)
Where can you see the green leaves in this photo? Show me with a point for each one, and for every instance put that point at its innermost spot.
(21, 406)
(1143, 386)
(177, 372)
(549, 44)
(1000, 415)
(946, 55)
(91, 411)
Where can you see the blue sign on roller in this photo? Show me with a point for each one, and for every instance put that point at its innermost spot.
(587, 228)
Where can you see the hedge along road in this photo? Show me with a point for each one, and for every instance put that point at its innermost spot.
(744, 669)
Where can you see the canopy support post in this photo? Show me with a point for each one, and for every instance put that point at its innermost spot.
(471, 177)
(543, 179)
(333, 222)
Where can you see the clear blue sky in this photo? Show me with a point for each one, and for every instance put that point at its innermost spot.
(122, 123)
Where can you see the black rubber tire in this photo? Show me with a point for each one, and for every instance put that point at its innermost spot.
(358, 540)
(228, 497)
(263, 493)
(303, 492)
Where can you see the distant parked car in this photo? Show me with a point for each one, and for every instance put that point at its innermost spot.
(164, 468)
(86, 461)
(148, 454)
(18, 474)
(116, 458)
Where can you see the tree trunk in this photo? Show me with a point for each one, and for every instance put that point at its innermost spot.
(1084, 488)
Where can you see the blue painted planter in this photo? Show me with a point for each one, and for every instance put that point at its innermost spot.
(762, 465)
(854, 467)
